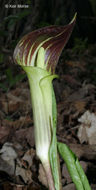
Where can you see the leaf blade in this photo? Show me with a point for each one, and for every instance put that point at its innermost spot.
(70, 159)
(53, 153)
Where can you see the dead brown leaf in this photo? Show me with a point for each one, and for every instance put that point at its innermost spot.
(25, 174)
(23, 121)
(4, 104)
(80, 106)
(65, 174)
(4, 133)
(8, 156)
(28, 157)
(76, 64)
(87, 128)
(69, 186)
(26, 134)
(71, 81)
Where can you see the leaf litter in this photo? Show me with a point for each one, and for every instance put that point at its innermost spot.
(76, 104)
(87, 128)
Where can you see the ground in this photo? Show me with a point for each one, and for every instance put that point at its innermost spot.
(75, 91)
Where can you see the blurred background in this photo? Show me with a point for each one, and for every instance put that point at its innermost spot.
(16, 21)
(18, 17)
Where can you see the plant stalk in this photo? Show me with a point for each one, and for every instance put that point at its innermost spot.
(49, 176)
(40, 82)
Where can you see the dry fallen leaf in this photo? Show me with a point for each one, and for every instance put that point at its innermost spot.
(80, 105)
(65, 174)
(8, 156)
(87, 128)
(25, 174)
(18, 187)
(69, 186)
(76, 64)
(28, 157)
(26, 134)
(4, 133)
(19, 99)
(19, 123)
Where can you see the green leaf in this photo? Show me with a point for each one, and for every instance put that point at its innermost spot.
(53, 154)
(12, 19)
(54, 109)
(82, 176)
(3, 87)
(18, 78)
(74, 168)
(9, 75)
(11, 79)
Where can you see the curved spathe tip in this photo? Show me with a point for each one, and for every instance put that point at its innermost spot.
(52, 38)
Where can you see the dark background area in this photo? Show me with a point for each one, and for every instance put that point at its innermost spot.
(15, 22)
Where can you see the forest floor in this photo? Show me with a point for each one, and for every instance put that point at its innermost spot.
(75, 92)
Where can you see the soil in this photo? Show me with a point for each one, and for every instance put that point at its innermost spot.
(75, 90)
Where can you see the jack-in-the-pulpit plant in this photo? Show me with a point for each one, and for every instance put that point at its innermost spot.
(38, 53)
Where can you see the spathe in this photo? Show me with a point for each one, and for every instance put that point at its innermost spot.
(52, 38)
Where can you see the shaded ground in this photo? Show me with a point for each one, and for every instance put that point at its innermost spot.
(76, 96)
